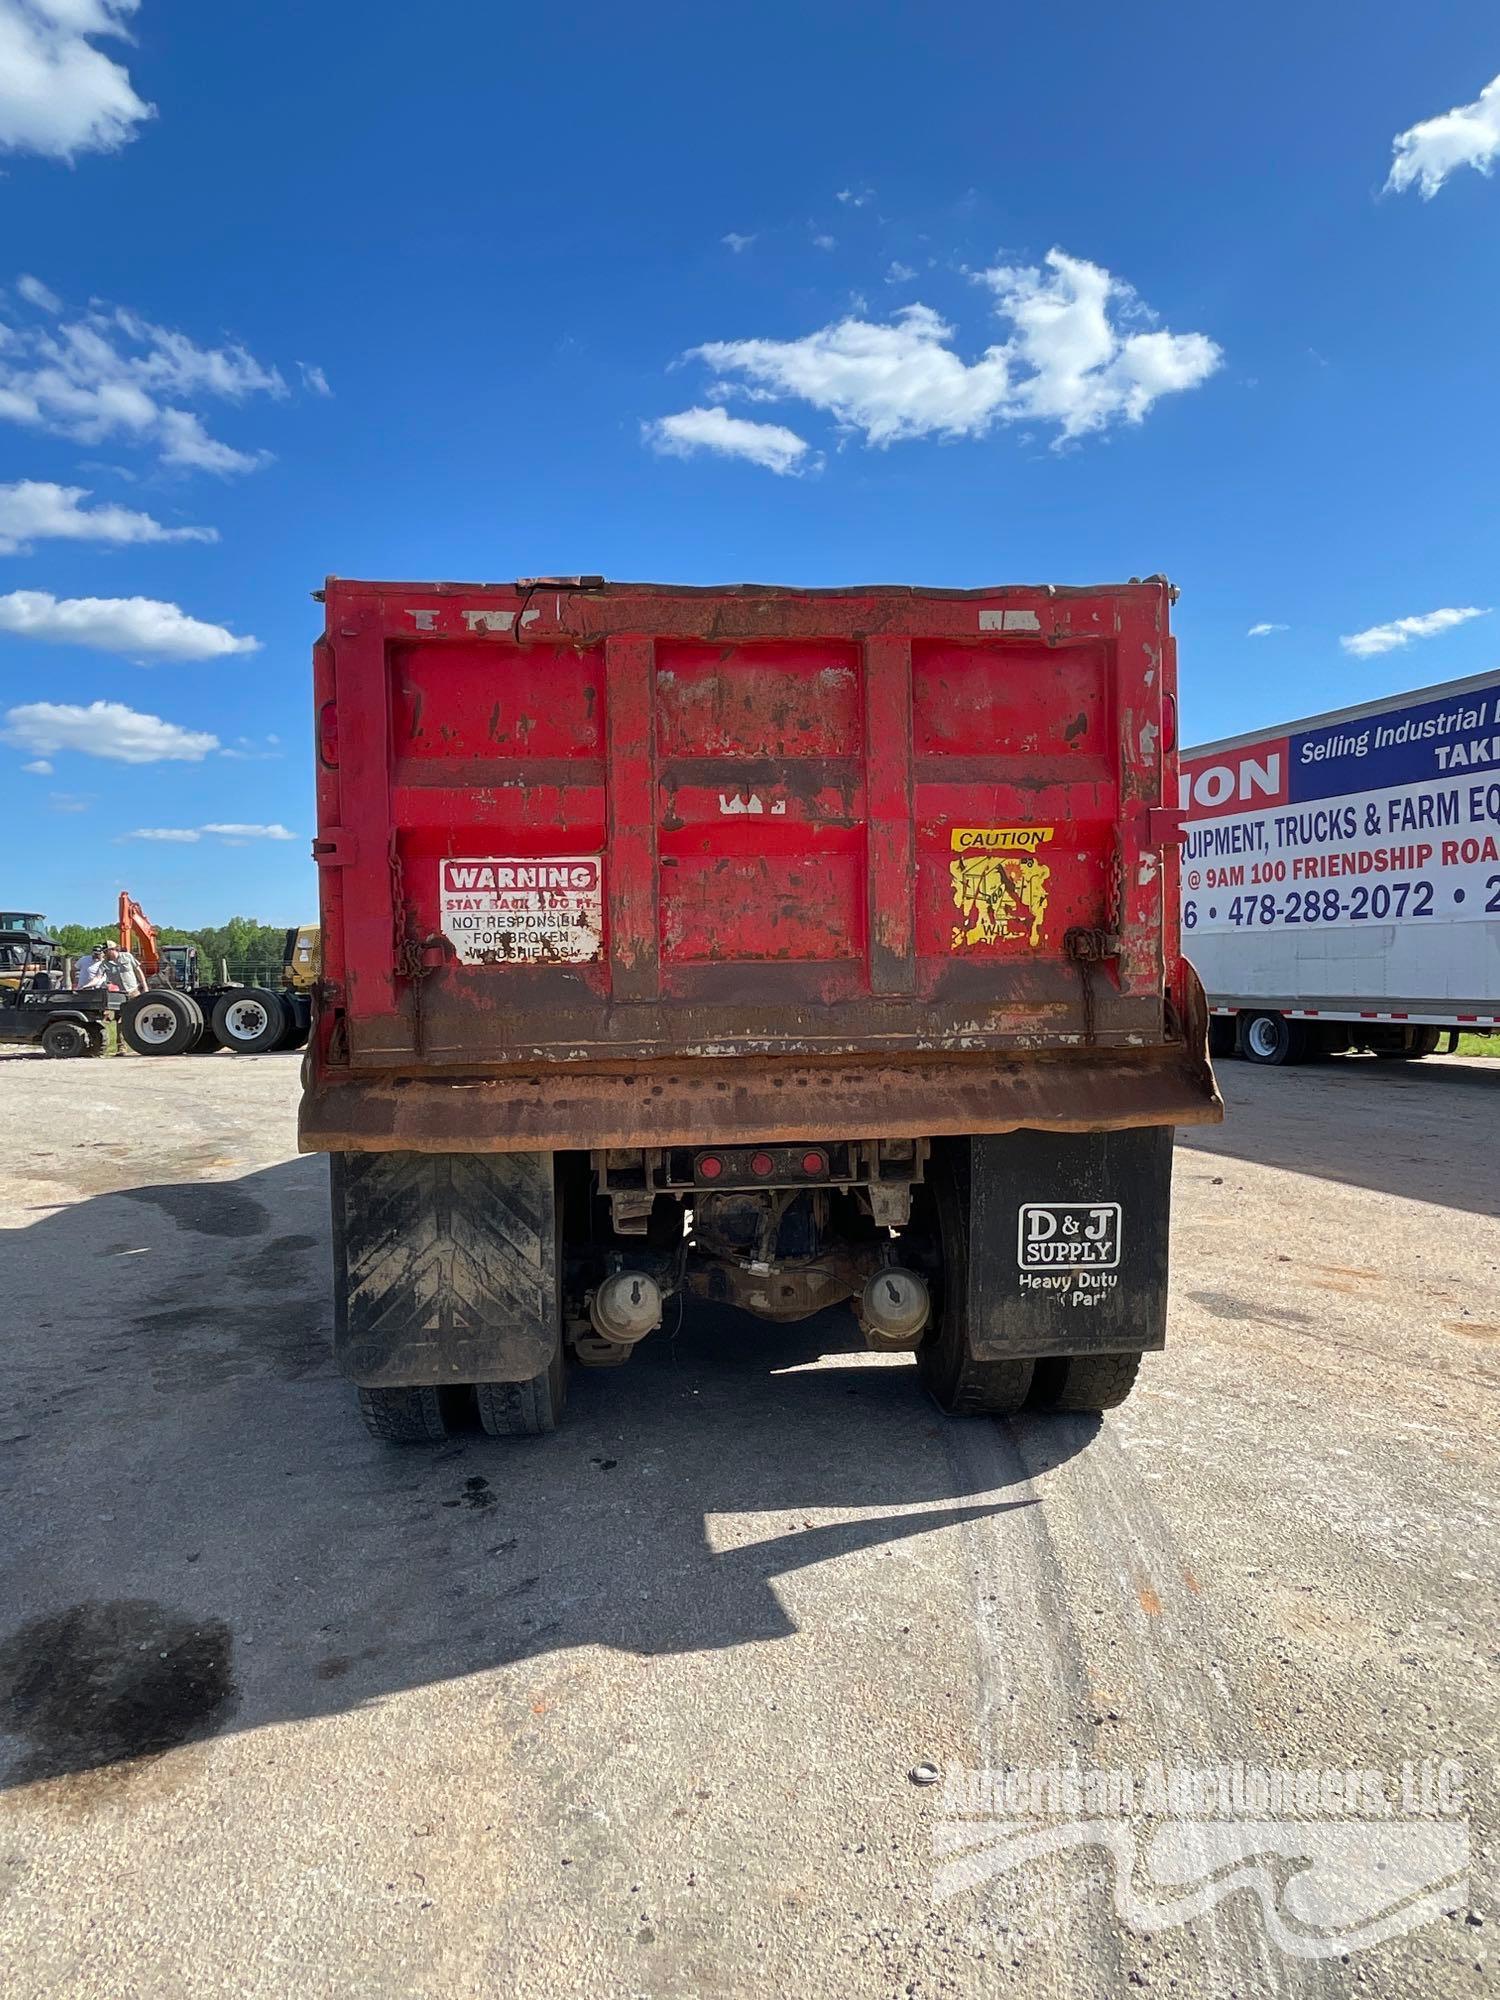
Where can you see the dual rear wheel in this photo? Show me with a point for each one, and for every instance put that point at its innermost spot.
(247, 1020)
(966, 1386)
(504, 1409)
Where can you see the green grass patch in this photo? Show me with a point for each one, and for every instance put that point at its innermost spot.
(1479, 1045)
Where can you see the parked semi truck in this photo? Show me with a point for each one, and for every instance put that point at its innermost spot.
(181, 1011)
(768, 946)
(1341, 877)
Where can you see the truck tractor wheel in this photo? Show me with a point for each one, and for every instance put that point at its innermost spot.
(249, 1020)
(1084, 1381)
(298, 1023)
(1271, 1039)
(525, 1409)
(160, 1023)
(65, 1038)
(404, 1416)
(951, 1375)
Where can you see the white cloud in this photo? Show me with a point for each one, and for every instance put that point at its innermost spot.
(1086, 372)
(771, 445)
(118, 625)
(1400, 631)
(236, 835)
(1067, 362)
(104, 729)
(855, 197)
(59, 95)
(38, 767)
(37, 294)
(273, 831)
(68, 802)
(736, 242)
(822, 241)
(184, 441)
(899, 273)
(1264, 630)
(113, 374)
(1466, 136)
(314, 380)
(36, 510)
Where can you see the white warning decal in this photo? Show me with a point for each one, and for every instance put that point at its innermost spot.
(1068, 1236)
(546, 909)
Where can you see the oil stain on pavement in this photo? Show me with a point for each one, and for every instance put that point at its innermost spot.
(113, 1680)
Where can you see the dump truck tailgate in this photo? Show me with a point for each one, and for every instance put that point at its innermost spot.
(569, 822)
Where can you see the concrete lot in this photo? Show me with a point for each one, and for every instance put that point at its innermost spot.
(632, 1710)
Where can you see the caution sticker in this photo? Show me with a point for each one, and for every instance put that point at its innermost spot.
(524, 910)
(999, 884)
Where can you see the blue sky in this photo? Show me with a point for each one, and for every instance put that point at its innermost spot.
(409, 294)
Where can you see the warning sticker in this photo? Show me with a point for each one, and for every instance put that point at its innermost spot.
(526, 910)
(999, 884)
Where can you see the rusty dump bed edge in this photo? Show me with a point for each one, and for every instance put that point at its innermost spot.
(765, 1099)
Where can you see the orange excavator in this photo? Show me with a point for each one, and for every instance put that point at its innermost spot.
(179, 1012)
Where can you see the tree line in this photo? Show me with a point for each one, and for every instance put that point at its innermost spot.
(254, 951)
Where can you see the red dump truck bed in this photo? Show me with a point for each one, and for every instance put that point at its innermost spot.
(618, 863)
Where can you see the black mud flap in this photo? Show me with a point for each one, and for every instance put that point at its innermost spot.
(445, 1267)
(1068, 1242)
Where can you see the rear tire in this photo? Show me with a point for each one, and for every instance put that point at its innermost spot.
(65, 1038)
(525, 1409)
(1085, 1381)
(298, 1022)
(1271, 1039)
(404, 1416)
(160, 1023)
(249, 1020)
(955, 1379)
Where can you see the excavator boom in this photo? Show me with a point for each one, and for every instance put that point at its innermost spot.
(138, 934)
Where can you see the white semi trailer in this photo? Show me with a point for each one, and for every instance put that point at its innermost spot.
(1341, 877)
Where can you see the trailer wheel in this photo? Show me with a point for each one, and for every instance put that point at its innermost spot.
(404, 1416)
(951, 1374)
(1415, 1043)
(1084, 1381)
(249, 1020)
(1272, 1039)
(525, 1409)
(160, 1023)
(65, 1038)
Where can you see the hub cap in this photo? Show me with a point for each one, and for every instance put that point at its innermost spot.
(156, 1025)
(1264, 1037)
(246, 1019)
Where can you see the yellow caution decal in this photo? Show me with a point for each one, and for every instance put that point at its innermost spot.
(999, 884)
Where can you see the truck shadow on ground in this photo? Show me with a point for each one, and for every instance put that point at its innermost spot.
(1422, 1130)
(205, 1538)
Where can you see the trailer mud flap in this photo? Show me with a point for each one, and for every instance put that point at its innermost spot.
(445, 1267)
(1068, 1242)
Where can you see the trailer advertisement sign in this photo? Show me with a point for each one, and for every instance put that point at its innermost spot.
(1378, 819)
